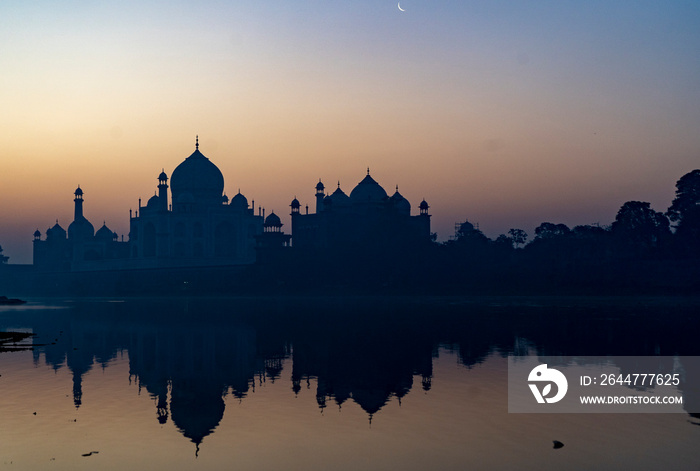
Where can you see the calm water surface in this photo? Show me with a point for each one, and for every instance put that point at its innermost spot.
(375, 384)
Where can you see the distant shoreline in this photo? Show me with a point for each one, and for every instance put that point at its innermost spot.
(582, 301)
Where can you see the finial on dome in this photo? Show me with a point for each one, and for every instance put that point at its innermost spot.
(397, 187)
(196, 145)
(367, 170)
(338, 184)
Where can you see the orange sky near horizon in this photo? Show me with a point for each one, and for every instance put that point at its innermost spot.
(507, 114)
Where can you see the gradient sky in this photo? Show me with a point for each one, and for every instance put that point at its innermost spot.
(507, 113)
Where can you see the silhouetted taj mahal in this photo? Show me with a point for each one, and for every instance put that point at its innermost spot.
(198, 226)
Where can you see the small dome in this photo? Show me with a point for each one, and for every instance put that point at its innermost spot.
(319, 185)
(423, 205)
(295, 203)
(56, 232)
(368, 191)
(466, 227)
(104, 233)
(224, 199)
(153, 202)
(273, 220)
(400, 203)
(37, 234)
(339, 198)
(239, 201)
(162, 176)
(78, 192)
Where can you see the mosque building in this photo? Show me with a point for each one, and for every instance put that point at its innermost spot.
(80, 245)
(367, 217)
(198, 226)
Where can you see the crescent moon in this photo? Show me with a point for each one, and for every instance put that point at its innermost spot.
(399, 4)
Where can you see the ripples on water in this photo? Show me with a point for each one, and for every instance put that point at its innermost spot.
(319, 384)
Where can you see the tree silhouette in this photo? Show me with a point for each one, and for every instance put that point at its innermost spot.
(552, 242)
(503, 242)
(639, 226)
(685, 208)
(591, 242)
(3, 258)
(547, 230)
(519, 236)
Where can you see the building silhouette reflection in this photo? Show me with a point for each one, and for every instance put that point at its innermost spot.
(190, 355)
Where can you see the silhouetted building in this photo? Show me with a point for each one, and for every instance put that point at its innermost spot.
(368, 217)
(78, 247)
(201, 227)
(272, 236)
(197, 226)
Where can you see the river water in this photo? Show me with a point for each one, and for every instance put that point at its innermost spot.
(325, 383)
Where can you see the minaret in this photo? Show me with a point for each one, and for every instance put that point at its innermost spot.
(163, 191)
(424, 208)
(319, 196)
(80, 229)
(78, 204)
(295, 206)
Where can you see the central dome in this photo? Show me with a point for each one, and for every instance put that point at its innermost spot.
(368, 191)
(198, 177)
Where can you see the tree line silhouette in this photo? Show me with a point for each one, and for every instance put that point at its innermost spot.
(643, 249)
